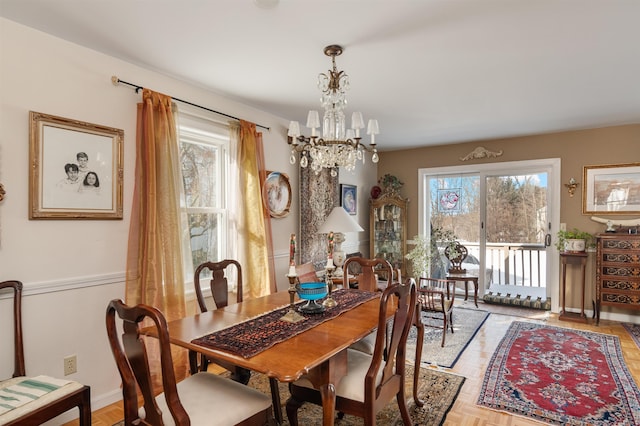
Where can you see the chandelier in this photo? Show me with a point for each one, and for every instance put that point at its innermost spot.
(338, 146)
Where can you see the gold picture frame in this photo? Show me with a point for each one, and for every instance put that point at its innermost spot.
(276, 194)
(611, 189)
(76, 169)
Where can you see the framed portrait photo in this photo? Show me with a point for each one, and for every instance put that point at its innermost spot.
(76, 169)
(276, 194)
(349, 198)
(611, 189)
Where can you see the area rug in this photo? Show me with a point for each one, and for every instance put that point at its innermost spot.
(561, 376)
(634, 331)
(438, 389)
(466, 323)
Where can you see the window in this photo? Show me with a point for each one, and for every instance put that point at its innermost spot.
(204, 155)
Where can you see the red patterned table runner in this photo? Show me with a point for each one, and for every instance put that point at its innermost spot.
(258, 334)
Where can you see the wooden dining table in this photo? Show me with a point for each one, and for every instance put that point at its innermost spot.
(320, 353)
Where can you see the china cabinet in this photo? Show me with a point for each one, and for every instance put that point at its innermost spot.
(388, 228)
(617, 271)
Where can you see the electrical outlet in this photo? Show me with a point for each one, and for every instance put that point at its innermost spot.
(70, 365)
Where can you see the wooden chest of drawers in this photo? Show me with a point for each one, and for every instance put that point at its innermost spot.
(617, 271)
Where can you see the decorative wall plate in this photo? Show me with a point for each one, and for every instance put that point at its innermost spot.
(276, 194)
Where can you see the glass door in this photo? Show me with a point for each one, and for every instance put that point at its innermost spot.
(503, 213)
(517, 229)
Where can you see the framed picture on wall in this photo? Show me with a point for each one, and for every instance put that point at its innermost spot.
(349, 198)
(76, 169)
(611, 189)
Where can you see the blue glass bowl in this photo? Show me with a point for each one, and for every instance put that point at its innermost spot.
(311, 292)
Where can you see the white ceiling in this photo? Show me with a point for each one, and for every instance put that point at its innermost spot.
(431, 72)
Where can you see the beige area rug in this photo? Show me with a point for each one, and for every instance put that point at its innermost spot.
(437, 388)
(466, 323)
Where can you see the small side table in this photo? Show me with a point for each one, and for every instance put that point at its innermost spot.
(466, 278)
(571, 258)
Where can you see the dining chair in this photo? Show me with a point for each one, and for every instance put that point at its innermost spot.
(200, 399)
(219, 287)
(55, 396)
(371, 381)
(436, 297)
(368, 279)
(370, 270)
(306, 273)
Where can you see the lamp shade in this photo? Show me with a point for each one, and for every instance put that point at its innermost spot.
(339, 221)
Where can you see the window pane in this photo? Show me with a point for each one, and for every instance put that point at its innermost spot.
(203, 228)
(199, 170)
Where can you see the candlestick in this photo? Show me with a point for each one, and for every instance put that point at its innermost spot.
(330, 245)
(292, 316)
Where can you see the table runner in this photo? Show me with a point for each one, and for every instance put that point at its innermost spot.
(258, 334)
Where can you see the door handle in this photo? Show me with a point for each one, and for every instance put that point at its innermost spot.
(547, 240)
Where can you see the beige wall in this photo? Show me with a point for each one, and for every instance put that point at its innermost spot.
(610, 145)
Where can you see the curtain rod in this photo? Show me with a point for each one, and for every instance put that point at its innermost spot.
(115, 80)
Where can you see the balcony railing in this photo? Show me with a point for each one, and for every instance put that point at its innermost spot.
(512, 264)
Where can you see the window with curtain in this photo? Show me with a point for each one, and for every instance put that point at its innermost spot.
(205, 160)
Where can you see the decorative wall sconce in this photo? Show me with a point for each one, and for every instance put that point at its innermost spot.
(571, 186)
(2, 192)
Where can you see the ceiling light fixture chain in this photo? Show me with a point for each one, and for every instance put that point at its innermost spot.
(338, 146)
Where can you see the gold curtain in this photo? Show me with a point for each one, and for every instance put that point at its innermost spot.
(262, 171)
(252, 230)
(154, 264)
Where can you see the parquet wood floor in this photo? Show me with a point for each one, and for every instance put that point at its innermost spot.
(472, 365)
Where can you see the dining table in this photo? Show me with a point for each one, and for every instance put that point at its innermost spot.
(319, 353)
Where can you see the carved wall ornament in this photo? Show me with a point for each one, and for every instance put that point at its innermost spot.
(481, 152)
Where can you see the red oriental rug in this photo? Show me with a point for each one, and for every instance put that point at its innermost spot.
(561, 376)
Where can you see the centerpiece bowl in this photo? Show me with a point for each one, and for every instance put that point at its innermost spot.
(312, 292)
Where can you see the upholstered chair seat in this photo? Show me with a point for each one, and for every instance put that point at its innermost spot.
(350, 386)
(233, 402)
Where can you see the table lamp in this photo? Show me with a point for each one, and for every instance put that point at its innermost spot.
(339, 222)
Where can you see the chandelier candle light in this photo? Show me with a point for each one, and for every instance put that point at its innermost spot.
(338, 146)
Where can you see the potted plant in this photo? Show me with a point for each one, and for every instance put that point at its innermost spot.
(390, 184)
(425, 254)
(573, 240)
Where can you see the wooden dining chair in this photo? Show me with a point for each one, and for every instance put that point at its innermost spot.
(436, 297)
(306, 273)
(60, 396)
(370, 271)
(219, 287)
(371, 381)
(368, 279)
(201, 399)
